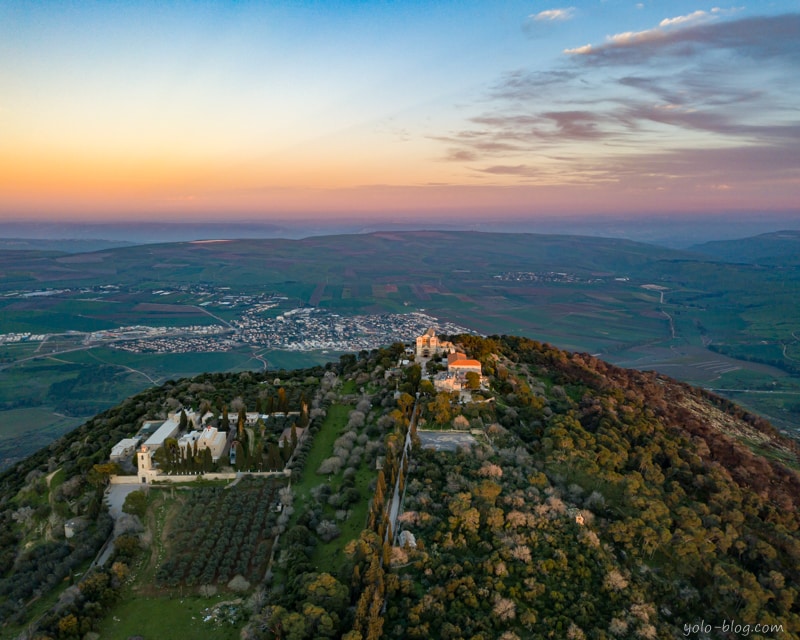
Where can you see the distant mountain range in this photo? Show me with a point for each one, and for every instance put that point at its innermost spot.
(675, 231)
(780, 248)
(61, 246)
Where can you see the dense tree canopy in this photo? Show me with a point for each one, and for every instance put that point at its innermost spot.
(595, 502)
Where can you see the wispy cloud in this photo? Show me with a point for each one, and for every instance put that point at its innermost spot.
(523, 85)
(586, 48)
(692, 89)
(707, 167)
(553, 15)
(623, 109)
(548, 125)
(695, 16)
(648, 35)
(516, 170)
(686, 36)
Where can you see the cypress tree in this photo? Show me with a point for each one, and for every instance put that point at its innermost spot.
(225, 424)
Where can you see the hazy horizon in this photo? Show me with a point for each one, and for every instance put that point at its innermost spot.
(669, 231)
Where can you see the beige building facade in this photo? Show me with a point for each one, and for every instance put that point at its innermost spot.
(429, 345)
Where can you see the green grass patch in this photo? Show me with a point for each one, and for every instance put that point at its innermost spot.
(15, 350)
(159, 507)
(46, 321)
(328, 556)
(352, 527)
(322, 447)
(166, 619)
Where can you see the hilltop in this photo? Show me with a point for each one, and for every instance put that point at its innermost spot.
(575, 499)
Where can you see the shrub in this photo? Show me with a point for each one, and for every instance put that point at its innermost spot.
(330, 466)
(327, 530)
(239, 584)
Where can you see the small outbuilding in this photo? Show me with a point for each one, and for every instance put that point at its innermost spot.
(124, 449)
(168, 429)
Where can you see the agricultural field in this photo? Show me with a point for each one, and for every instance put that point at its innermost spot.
(72, 311)
(217, 534)
(30, 429)
(162, 366)
(298, 359)
(162, 612)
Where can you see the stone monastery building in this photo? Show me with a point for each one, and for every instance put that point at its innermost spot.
(459, 363)
(428, 344)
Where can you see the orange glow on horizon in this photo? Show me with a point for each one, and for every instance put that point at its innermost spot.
(264, 109)
(408, 202)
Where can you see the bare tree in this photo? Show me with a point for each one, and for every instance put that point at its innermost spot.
(489, 470)
(504, 608)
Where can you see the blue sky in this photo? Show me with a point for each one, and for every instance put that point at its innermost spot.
(189, 110)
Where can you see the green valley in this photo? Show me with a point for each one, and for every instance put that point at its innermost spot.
(146, 314)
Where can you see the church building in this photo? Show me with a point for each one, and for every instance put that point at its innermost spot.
(429, 344)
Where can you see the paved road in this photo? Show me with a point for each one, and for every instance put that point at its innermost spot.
(115, 497)
(394, 509)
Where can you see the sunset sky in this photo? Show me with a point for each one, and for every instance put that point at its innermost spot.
(268, 110)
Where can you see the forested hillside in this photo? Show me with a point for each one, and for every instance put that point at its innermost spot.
(681, 520)
(592, 502)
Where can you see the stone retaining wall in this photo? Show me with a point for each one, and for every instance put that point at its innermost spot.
(199, 476)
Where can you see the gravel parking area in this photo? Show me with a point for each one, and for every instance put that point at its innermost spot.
(446, 441)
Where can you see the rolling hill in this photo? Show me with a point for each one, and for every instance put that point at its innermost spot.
(779, 248)
(730, 327)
